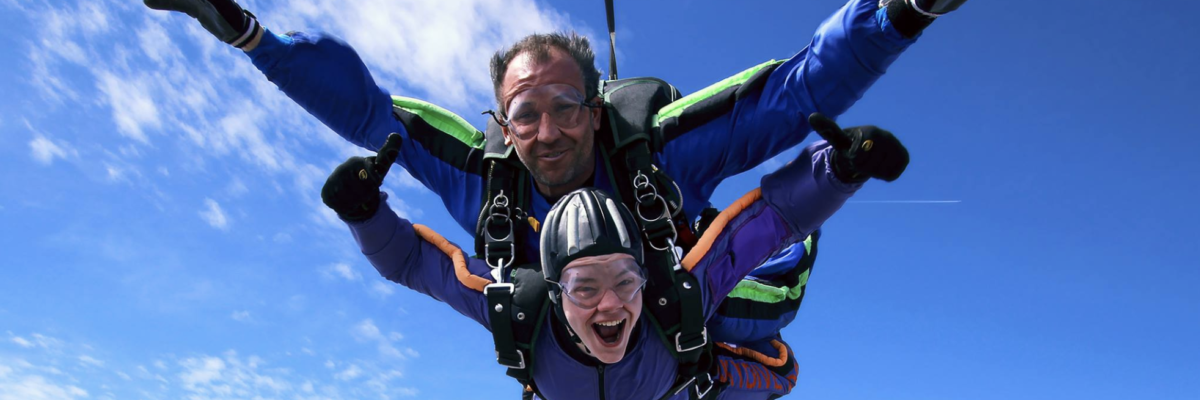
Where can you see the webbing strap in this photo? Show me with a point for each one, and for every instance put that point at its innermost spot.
(499, 297)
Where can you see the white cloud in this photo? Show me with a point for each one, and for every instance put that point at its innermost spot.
(343, 270)
(445, 45)
(241, 316)
(382, 289)
(133, 108)
(349, 373)
(46, 342)
(88, 360)
(200, 371)
(22, 342)
(236, 187)
(214, 215)
(45, 151)
(160, 364)
(36, 387)
(367, 331)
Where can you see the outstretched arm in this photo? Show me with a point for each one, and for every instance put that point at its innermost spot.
(792, 203)
(421, 260)
(327, 78)
(742, 121)
(411, 255)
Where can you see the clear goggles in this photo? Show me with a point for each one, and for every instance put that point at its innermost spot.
(560, 102)
(586, 285)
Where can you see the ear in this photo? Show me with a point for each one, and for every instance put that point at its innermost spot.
(507, 136)
(597, 112)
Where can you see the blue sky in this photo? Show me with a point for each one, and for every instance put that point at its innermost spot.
(163, 235)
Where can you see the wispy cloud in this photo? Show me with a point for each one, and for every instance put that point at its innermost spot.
(382, 289)
(342, 270)
(241, 316)
(45, 151)
(20, 341)
(88, 360)
(367, 331)
(350, 373)
(213, 214)
(133, 107)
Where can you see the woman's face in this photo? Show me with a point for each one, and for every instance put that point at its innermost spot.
(602, 300)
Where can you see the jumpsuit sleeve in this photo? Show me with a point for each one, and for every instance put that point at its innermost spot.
(712, 141)
(790, 204)
(407, 254)
(326, 77)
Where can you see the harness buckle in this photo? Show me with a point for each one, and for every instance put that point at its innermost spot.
(518, 364)
(679, 344)
(507, 287)
(498, 217)
(708, 381)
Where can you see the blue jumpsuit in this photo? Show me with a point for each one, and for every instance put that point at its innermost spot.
(795, 201)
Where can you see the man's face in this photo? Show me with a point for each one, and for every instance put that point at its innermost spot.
(561, 160)
(600, 282)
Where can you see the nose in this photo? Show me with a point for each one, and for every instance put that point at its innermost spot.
(610, 301)
(548, 131)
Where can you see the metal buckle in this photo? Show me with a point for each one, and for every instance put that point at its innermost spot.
(509, 286)
(711, 385)
(520, 361)
(680, 349)
(683, 387)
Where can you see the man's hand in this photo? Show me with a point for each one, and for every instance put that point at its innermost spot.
(861, 152)
(223, 18)
(352, 190)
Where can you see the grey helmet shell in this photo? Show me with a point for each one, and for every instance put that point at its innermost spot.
(586, 222)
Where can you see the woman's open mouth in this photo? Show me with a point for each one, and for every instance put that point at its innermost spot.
(609, 332)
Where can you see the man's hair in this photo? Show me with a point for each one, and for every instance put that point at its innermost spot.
(538, 45)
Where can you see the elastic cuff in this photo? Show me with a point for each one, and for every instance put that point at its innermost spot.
(253, 29)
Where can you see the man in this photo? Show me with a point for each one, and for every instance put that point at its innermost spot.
(717, 133)
(595, 343)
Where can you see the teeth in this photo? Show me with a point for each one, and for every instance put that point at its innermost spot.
(611, 323)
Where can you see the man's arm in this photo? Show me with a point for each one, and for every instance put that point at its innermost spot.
(327, 78)
(747, 119)
(414, 256)
(792, 203)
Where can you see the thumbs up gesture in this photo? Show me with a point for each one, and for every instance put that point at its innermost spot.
(861, 152)
(352, 190)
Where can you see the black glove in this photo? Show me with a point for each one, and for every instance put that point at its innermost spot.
(910, 17)
(861, 152)
(352, 190)
(223, 18)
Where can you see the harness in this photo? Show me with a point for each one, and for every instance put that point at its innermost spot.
(519, 300)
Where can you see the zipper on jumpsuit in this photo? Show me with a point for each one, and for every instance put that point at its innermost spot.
(600, 369)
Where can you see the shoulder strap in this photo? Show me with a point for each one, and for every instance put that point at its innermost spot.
(505, 203)
(674, 304)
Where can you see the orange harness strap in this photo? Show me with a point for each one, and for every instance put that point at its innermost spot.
(456, 255)
(705, 243)
(760, 357)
